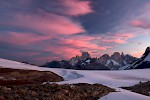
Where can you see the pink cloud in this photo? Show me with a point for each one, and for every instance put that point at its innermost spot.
(140, 23)
(46, 23)
(124, 35)
(119, 41)
(63, 51)
(22, 38)
(77, 7)
(65, 7)
(67, 52)
(83, 44)
(119, 38)
(72, 46)
(56, 23)
(66, 47)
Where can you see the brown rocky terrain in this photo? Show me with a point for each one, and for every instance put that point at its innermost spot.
(18, 84)
(81, 91)
(22, 77)
(142, 88)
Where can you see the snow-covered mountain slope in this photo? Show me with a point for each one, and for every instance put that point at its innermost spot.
(14, 64)
(147, 58)
(113, 79)
(143, 62)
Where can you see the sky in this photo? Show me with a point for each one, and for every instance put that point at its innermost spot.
(38, 31)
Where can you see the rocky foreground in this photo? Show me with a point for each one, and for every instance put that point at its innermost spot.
(142, 88)
(21, 77)
(81, 91)
(18, 84)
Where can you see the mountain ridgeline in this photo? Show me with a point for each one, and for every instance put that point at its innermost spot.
(143, 62)
(86, 62)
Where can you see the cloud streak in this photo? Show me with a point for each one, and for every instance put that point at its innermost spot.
(76, 7)
(117, 38)
(46, 23)
(22, 39)
(140, 24)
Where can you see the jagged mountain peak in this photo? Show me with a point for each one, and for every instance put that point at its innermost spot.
(148, 48)
(105, 56)
(147, 51)
(116, 57)
(74, 60)
(85, 55)
(116, 53)
(122, 53)
(146, 55)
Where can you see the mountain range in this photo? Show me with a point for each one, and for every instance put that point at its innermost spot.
(86, 62)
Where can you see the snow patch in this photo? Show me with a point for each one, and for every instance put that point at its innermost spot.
(124, 95)
(124, 62)
(147, 58)
(108, 62)
(83, 63)
(88, 61)
(115, 63)
(70, 75)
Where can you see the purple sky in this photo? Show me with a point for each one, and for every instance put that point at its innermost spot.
(38, 31)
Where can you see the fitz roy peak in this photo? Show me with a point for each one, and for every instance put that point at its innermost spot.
(84, 56)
